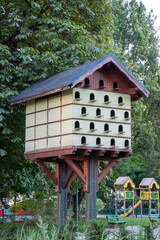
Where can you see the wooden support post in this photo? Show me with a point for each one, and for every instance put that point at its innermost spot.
(66, 171)
(124, 203)
(86, 174)
(133, 206)
(116, 200)
(63, 175)
(63, 193)
(91, 195)
(141, 208)
(149, 201)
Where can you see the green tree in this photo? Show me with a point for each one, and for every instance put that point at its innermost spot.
(39, 38)
(136, 42)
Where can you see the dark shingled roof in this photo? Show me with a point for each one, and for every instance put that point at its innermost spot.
(66, 78)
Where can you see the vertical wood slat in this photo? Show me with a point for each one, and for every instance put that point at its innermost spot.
(58, 176)
(86, 174)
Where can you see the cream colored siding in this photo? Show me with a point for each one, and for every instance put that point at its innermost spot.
(67, 112)
(54, 115)
(41, 131)
(105, 141)
(41, 117)
(30, 106)
(30, 120)
(40, 144)
(54, 102)
(105, 112)
(99, 97)
(67, 97)
(67, 140)
(99, 128)
(29, 133)
(41, 105)
(53, 129)
(29, 146)
(53, 142)
(67, 127)
(57, 127)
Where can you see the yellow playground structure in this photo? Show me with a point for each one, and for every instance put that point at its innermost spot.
(125, 190)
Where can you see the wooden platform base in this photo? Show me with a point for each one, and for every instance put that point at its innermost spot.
(78, 153)
(81, 162)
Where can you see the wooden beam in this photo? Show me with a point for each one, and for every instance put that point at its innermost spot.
(48, 153)
(83, 152)
(68, 177)
(58, 175)
(86, 174)
(73, 177)
(76, 169)
(125, 154)
(98, 153)
(47, 171)
(133, 90)
(105, 171)
(40, 95)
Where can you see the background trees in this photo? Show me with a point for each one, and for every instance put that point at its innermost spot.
(136, 37)
(38, 39)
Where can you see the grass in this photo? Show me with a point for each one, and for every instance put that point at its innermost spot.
(129, 222)
(36, 231)
(137, 221)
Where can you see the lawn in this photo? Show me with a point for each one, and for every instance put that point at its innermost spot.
(129, 222)
(30, 230)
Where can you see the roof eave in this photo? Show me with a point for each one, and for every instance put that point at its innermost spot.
(40, 95)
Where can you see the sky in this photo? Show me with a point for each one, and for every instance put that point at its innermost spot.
(155, 5)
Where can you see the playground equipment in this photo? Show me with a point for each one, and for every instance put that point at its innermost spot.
(148, 192)
(124, 187)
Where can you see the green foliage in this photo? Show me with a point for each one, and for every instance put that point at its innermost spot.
(92, 230)
(95, 231)
(136, 43)
(37, 208)
(38, 39)
(99, 204)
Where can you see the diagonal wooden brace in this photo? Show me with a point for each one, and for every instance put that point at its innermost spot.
(76, 169)
(73, 177)
(105, 171)
(68, 177)
(47, 171)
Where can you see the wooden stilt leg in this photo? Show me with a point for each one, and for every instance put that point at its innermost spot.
(92, 194)
(63, 194)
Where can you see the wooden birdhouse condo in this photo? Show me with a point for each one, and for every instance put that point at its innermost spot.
(81, 115)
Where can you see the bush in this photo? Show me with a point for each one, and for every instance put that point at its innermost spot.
(40, 207)
(95, 230)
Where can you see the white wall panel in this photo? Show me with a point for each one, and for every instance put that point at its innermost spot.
(41, 117)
